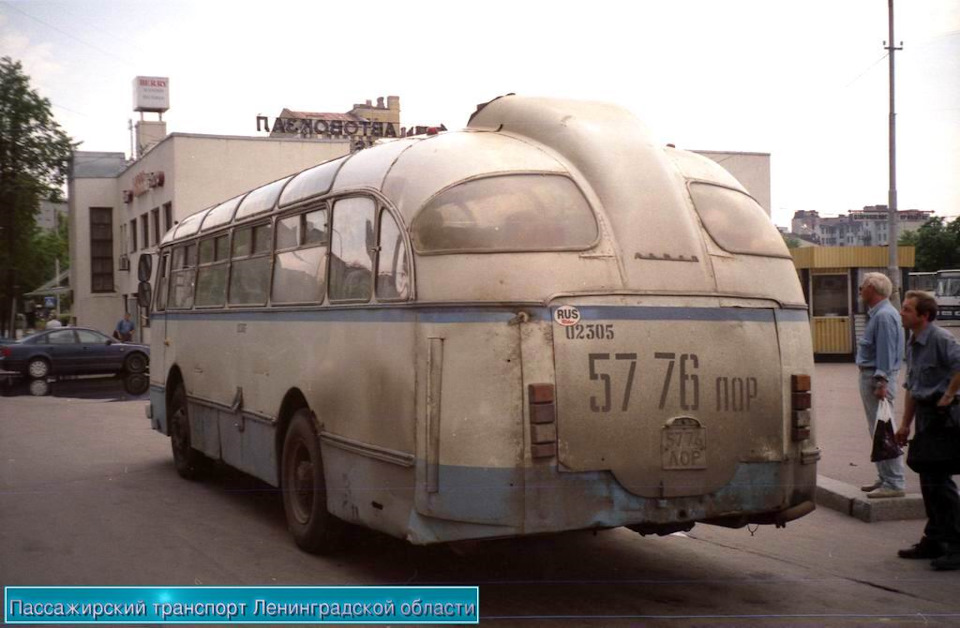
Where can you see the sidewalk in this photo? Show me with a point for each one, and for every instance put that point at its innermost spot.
(841, 433)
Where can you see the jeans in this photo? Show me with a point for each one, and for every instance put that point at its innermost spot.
(889, 471)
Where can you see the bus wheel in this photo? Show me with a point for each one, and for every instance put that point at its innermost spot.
(190, 463)
(304, 490)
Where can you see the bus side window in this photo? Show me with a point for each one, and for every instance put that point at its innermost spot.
(250, 274)
(161, 290)
(212, 274)
(351, 249)
(393, 276)
(299, 275)
(183, 277)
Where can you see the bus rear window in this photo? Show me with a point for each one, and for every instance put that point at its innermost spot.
(530, 212)
(737, 222)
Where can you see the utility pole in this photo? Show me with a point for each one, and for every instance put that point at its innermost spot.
(893, 269)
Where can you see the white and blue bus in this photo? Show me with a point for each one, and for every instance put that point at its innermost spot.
(948, 295)
(542, 322)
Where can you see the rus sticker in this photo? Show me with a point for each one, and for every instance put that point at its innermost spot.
(567, 315)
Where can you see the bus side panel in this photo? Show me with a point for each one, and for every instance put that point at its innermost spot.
(469, 432)
(353, 367)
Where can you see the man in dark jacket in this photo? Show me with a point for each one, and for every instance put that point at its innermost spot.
(933, 380)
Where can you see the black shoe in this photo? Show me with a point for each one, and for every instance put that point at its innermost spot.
(924, 549)
(947, 562)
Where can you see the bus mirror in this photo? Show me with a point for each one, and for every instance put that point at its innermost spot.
(144, 267)
(143, 293)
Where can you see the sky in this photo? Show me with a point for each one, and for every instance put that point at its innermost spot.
(806, 81)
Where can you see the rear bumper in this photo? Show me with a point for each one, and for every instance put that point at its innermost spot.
(771, 493)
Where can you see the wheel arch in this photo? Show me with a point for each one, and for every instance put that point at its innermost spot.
(292, 401)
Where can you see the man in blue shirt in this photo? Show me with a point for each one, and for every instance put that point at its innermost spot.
(124, 330)
(933, 382)
(879, 355)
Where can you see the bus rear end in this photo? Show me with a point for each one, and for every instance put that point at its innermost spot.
(665, 373)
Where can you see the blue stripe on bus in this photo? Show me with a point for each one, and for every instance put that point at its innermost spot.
(490, 315)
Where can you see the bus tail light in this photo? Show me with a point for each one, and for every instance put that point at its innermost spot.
(800, 407)
(543, 421)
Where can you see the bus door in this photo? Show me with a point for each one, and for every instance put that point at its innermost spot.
(470, 447)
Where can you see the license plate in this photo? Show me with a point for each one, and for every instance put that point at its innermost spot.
(683, 445)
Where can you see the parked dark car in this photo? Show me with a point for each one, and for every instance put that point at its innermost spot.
(72, 350)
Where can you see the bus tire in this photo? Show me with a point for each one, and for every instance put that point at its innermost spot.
(304, 489)
(190, 463)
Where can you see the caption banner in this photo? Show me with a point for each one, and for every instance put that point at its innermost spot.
(242, 605)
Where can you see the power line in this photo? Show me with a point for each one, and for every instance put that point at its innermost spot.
(859, 76)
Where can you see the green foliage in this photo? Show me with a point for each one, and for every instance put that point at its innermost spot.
(938, 245)
(792, 243)
(908, 238)
(34, 158)
(46, 248)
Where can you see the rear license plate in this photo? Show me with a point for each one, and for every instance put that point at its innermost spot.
(683, 445)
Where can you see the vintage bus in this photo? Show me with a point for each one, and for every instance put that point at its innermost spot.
(543, 322)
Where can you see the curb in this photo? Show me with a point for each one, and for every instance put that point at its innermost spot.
(851, 501)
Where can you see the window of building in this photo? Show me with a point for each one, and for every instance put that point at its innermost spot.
(155, 218)
(393, 276)
(167, 217)
(133, 235)
(250, 272)
(101, 249)
(212, 274)
(300, 269)
(145, 223)
(351, 249)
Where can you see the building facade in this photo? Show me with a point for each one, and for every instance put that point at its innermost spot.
(752, 170)
(864, 227)
(120, 210)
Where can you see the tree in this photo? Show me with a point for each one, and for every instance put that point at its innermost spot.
(938, 245)
(34, 158)
(907, 238)
(791, 241)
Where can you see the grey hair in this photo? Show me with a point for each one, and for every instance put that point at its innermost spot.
(879, 282)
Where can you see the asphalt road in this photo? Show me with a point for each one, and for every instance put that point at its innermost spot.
(89, 496)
